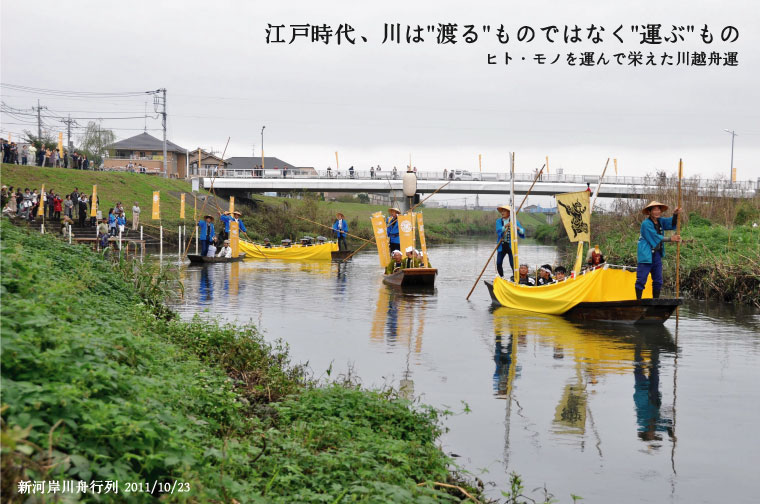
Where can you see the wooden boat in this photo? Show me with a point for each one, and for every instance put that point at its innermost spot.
(412, 277)
(198, 259)
(605, 295)
(318, 252)
(340, 255)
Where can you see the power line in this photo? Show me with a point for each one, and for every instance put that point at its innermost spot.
(59, 92)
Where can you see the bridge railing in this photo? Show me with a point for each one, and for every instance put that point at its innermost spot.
(459, 175)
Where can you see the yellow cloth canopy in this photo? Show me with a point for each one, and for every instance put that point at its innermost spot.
(295, 252)
(555, 299)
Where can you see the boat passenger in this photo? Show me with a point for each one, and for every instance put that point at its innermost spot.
(410, 261)
(595, 258)
(225, 251)
(418, 259)
(560, 273)
(504, 238)
(545, 275)
(267, 243)
(524, 279)
(396, 264)
(422, 260)
(340, 228)
(206, 233)
(224, 218)
(391, 226)
(211, 252)
(651, 249)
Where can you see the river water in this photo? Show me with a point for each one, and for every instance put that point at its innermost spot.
(610, 413)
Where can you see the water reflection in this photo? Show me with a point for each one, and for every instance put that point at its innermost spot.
(206, 286)
(594, 352)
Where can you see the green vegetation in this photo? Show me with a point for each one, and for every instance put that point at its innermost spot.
(101, 382)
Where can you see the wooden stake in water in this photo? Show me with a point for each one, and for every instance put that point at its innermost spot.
(119, 239)
(161, 242)
(69, 234)
(678, 244)
(179, 242)
(141, 233)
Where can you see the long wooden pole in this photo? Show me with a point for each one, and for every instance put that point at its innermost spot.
(502, 238)
(203, 208)
(330, 227)
(349, 256)
(678, 244)
(431, 194)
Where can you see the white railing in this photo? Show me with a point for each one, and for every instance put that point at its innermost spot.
(297, 173)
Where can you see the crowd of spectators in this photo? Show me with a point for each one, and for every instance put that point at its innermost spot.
(26, 154)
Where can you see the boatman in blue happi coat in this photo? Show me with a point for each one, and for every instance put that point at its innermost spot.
(391, 226)
(505, 244)
(340, 228)
(651, 249)
(224, 218)
(241, 227)
(206, 233)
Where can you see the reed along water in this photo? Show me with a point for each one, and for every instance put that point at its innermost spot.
(611, 413)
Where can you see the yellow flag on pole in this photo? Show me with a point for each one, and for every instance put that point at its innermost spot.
(156, 205)
(406, 231)
(615, 166)
(94, 202)
(232, 204)
(547, 165)
(41, 208)
(234, 238)
(575, 211)
(182, 206)
(337, 166)
(423, 245)
(60, 144)
(381, 238)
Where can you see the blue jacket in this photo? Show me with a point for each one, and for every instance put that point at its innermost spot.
(226, 219)
(241, 226)
(649, 238)
(340, 230)
(111, 220)
(202, 230)
(503, 227)
(392, 229)
(121, 221)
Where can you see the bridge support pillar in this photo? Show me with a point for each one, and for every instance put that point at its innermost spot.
(398, 199)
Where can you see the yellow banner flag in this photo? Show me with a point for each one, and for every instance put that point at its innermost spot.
(232, 204)
(406, 231)
(234, 238)
(615, 166)
(156, 205)
(94, 202)
(182, 206)
(60, 144)
(381, 238)
(423, 245)
(574, 209)
(41, 208)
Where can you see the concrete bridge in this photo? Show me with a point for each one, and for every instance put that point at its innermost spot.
(461, 182)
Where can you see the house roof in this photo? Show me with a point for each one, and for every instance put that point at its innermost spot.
(248, 163)
(204, 157)
(145, 141)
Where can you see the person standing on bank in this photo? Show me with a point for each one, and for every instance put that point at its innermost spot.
(391, 227)
(135, 216)
(206, 233)
(650, 247)
(340, 228)
(503, 235)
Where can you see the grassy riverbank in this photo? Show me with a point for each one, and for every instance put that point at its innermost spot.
(265, 217)
(100, 382)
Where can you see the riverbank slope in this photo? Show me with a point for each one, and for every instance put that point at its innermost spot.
(101, 382)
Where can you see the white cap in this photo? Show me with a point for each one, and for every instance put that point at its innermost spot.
(409, 249)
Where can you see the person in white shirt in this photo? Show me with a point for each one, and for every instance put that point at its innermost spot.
(135, 216)
(211, 250)
(225, 251)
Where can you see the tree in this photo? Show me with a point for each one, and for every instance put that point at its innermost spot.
(95, 141)
(46, 141)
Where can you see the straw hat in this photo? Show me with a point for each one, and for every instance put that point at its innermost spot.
(208, 217)
(394, 209)
(339, 216)
(237, 213)
(504, 207)
(226, 242)
(653, 204)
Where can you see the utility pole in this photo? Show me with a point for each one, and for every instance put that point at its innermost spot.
(731, 172)
(262, 150)
(68, 123)
(38, 108)
(156, 100)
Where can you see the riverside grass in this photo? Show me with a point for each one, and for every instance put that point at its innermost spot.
(99, 385)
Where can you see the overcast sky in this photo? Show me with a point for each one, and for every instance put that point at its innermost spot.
(376, 103)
